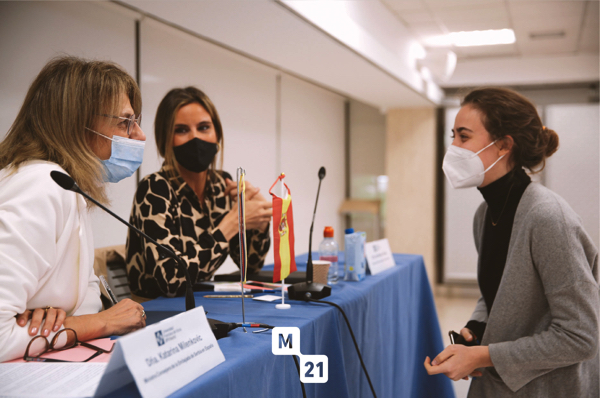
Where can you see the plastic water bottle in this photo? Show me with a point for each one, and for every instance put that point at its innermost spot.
(328, 251)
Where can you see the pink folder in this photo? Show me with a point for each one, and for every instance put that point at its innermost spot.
(79, 353)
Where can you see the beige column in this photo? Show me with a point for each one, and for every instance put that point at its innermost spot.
(410, 165)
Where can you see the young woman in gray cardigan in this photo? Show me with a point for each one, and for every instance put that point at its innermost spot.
(537, 318)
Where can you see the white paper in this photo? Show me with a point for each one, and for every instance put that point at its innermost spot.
(165, 356)
(50, 379)
(379, 256)
(230, 287)
(267, 297)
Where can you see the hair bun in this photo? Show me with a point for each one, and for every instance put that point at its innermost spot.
(551, 140)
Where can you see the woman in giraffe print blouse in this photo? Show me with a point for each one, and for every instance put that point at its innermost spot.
(187, 204)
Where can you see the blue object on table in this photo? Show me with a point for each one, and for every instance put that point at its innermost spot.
(394, 320)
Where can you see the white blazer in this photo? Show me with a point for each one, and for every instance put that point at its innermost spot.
(46, 252)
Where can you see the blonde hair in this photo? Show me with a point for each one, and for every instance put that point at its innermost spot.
(164, 123)
(67, 96)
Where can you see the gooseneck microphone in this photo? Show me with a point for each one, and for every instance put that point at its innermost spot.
(67, 183)
(310, 290)
(309, 264)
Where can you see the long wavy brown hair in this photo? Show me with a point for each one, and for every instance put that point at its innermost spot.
(67, 96)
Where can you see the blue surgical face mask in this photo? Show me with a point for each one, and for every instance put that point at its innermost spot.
(125, 157)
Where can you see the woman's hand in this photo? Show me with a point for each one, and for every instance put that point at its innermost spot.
(468, 334)
(258, 211)
(231, 190)
(124, 317)
(458, 361)
(121, 318)
(53, 319)
(258, 214)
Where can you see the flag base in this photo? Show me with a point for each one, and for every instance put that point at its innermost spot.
(283, 306)
(305, 290)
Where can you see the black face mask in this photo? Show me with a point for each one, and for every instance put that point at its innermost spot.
(195, 155)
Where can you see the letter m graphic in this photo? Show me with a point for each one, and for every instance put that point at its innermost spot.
(285, 342)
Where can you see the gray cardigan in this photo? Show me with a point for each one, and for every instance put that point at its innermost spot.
(542, 331)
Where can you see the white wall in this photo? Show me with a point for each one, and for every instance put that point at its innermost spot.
(244, 91)
(460, 256)
(573, 171)
(35, 32)
(312, 135)
(367, 165)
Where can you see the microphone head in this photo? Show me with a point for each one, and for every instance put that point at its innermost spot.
(321, 173)
(64, 181)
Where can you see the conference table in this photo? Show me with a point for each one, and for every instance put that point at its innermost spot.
(392, 315)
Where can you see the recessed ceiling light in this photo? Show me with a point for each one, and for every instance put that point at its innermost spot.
(483, 37)
(473, 38)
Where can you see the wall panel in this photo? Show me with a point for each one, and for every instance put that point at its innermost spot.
(312, 135)
(410, 160)
(242, 90)
(34, 32)
(573, 171)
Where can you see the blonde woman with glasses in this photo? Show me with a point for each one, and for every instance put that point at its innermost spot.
(81, 118)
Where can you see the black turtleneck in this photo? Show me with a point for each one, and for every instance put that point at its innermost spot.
(502, 197)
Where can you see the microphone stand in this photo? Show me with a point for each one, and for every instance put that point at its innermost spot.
(309, 263)
(190, 302)
(309, 289)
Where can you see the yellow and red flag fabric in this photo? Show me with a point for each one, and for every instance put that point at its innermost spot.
(283, 233)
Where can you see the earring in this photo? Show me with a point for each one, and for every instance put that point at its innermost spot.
(218, 147)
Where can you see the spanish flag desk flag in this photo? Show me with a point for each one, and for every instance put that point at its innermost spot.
(283, 233)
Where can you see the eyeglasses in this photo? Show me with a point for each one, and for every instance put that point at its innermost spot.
(63, 340)
(126, 123)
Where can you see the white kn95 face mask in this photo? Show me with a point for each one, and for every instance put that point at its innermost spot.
(464, 168)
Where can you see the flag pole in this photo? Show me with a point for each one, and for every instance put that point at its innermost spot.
(283, 305)
(241, 185)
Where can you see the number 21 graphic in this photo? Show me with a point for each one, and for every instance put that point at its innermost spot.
(314, 368)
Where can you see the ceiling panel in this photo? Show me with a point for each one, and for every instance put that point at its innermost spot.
(484, 13)
(406, 5)
(436, 4)
(414, 17)
(552, 11)
(424, 30)
(578, 19)
(552, 44)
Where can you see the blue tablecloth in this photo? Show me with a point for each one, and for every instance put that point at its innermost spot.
(394, 320)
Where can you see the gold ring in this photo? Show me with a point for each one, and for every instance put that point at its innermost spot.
(46, 309)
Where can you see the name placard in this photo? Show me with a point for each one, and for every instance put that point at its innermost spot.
(379, 256)
(163, 357)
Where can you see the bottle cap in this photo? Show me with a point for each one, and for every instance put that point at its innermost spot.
(349, 231)
(328, 232)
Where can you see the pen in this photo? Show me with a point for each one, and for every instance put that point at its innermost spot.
(108, 290)
(229, 296)
(263, 291)
(273, 285)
